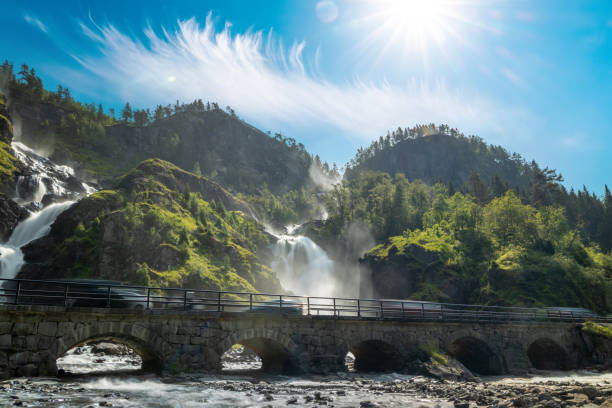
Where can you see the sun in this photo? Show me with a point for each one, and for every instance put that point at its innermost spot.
(413, 26)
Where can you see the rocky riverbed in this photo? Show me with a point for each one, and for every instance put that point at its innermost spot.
(241, 385)
(342, 390)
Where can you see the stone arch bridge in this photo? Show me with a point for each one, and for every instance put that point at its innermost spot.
(33, 337)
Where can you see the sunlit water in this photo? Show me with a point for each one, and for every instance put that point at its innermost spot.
(302, 266)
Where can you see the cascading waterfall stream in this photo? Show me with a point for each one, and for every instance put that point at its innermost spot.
(35, 226)
(43, 182)
(302, 266)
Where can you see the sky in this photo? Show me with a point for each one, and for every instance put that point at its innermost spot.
(534, 77)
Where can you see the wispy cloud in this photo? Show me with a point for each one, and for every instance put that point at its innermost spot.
(266, 82)
(35, 22)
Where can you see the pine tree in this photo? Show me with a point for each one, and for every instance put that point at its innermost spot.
(126, 113)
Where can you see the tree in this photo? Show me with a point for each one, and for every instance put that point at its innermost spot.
(477, 188)
(126, 113)
(498, 187)
(141, 118)
(196, 169)
(159, 113)
(545, 183)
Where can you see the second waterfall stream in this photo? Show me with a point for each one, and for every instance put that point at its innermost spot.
(302, 266)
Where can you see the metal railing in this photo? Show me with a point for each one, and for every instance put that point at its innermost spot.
(72, 294)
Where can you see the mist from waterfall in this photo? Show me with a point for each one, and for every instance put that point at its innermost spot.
(302, 266)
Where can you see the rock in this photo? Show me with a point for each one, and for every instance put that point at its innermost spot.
(607, 403)
(292, 401)
(577, 399)
(367, 404)
(458, 404)
(11, 214)
(110, 349)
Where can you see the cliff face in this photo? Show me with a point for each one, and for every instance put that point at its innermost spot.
(160, 225)
(398, 271)
(212, 142)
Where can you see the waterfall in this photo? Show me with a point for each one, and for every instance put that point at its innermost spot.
(302, 266)
(43, 182)
(35, 226)
(45, 178)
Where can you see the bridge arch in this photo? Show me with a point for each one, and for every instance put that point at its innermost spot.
(476, 355)
(150, 359)
(145, 342)
(278, 353)
(376, 355)
(546, 354)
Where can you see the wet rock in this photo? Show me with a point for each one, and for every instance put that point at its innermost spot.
(11, 214)
(110, 349)
(292, 401)
(607, 403)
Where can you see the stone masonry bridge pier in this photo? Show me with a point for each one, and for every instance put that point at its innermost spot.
(33, 337)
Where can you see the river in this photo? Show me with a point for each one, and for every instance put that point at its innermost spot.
(341, 390)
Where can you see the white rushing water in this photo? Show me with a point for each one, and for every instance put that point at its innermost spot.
(43, 178)
(302, 266)
(35, 226)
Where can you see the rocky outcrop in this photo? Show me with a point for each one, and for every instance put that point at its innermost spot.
(11, 214)
(408, 272)
(160, 225)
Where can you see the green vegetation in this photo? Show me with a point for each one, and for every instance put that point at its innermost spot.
(597, 329)
(156, 228)
(434, 353)
(453, 247)
(466, 164)
(8, 162)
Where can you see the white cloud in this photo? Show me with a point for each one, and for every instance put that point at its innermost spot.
(35, 22)
(267, 83)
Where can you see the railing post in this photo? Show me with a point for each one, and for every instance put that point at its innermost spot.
(66, 295)
(185, 299)
(358, 308)
(218, 301)
(148, 296)
(308, 305)
(335, 311)
(280, 303)
(108, 299)
(250, 302)
(17, 292)
(403, 313)
(382, 311)
(423, 311)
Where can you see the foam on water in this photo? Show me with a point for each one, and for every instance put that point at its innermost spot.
(302, 266)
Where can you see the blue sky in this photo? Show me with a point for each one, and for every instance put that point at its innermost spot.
(535, 77)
